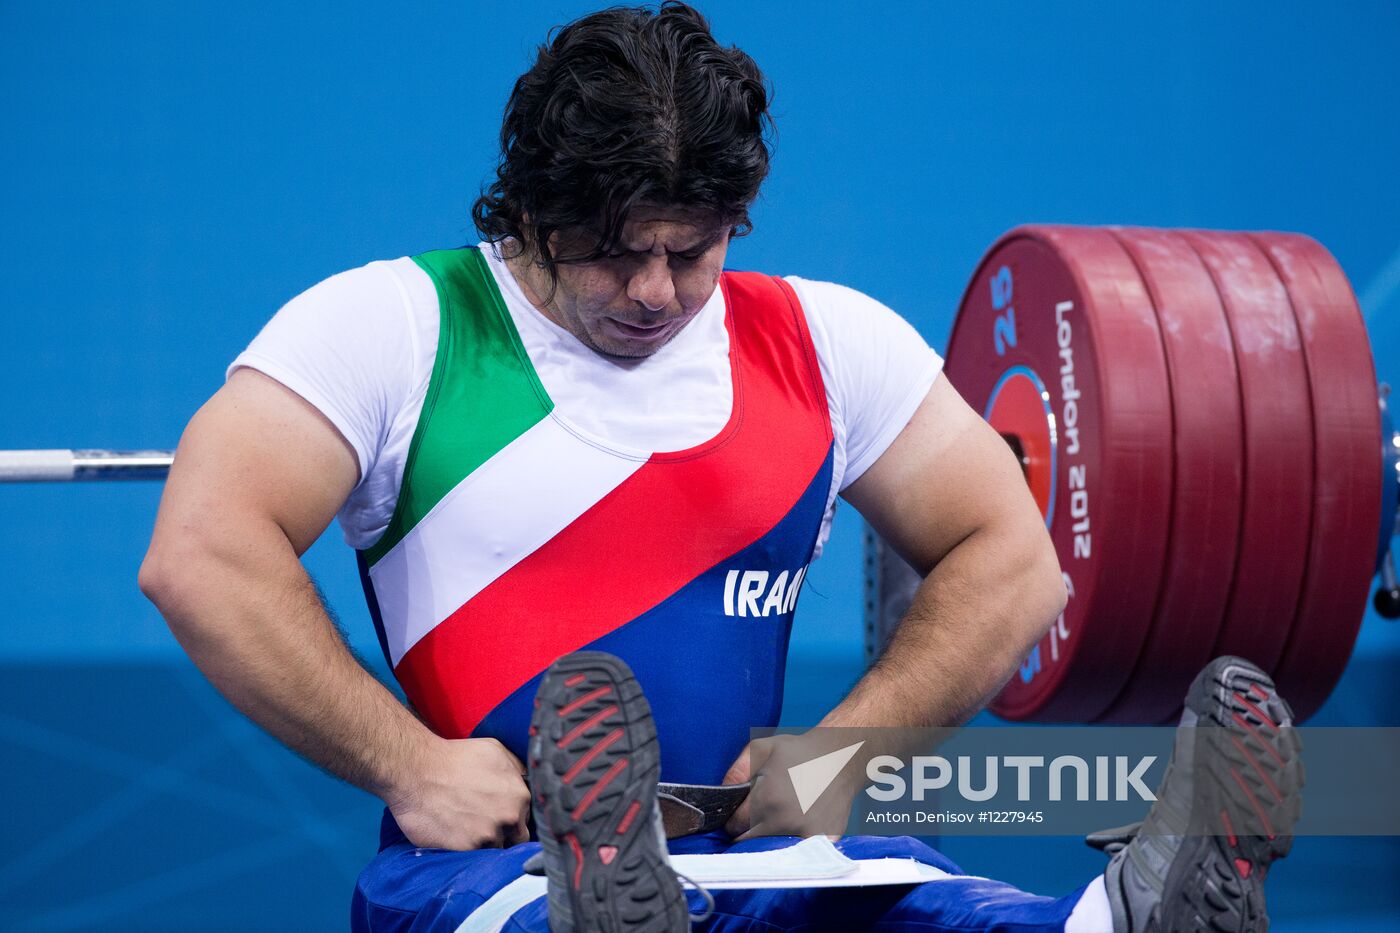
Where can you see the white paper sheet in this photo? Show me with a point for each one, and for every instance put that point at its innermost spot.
(811, 863)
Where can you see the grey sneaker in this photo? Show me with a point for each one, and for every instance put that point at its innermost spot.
(1224, 813)
(594, 764)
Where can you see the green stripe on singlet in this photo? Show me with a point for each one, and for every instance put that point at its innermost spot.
(482, 395)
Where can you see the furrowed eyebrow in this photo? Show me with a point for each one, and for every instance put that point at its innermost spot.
(693, 250)
(704, 244)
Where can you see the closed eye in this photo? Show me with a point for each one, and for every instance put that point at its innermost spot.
(682, 257)
(691, 255)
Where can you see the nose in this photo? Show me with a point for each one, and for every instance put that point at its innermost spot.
(651, 284)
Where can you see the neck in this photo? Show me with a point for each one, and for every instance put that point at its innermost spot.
(531, 278)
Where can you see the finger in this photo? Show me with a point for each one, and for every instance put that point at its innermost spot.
(503, 837)
(760, 830)
(738, 821)
(738, 772)
(498, 755)
(522, 827)
(517, 834)
(758, 752)
(468, 843)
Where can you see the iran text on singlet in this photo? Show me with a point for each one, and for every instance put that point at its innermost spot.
(518, 536)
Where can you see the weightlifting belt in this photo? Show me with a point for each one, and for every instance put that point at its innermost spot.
(687, 809)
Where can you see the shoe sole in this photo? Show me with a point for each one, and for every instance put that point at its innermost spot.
(1248, 778)
(593, 770)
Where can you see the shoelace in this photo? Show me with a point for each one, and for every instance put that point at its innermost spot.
(709, 898)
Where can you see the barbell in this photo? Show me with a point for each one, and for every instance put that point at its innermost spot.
(66, 466)
(1197, 417)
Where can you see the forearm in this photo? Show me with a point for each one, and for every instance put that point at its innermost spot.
(972, 620)
(251, 619)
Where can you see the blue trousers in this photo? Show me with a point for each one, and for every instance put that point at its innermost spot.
(405, 888)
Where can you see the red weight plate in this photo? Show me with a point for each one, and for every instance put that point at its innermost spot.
(1207, 476)
(1278, 441)
(1020, 408)
(1346, 464)
(1063, 310)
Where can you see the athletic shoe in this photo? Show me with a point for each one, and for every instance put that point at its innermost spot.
(594, 764)
(1224, 812)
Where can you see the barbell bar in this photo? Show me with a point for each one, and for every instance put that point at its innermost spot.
(67, 466)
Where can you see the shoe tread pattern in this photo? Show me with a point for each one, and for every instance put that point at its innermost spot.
(582, 794)
(1248, 766)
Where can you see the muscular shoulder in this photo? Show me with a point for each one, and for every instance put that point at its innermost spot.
(876, 366)
(369, 308)
(849, 325)
(358, 346)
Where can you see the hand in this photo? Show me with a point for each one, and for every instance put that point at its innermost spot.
(738, 773)
(471, 794)
(772, 807)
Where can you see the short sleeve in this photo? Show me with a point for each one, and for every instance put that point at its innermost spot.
(876, 366)
(345, 347)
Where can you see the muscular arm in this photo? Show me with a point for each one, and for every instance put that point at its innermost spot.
(949, 497)
(258, 476)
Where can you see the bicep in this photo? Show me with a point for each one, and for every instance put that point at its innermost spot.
(256, 457)
(946, 475)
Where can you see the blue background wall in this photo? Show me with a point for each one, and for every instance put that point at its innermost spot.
(170, 173)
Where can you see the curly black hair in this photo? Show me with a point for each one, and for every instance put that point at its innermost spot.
(625, 106)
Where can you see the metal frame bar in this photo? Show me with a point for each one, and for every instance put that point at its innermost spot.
(71, 466)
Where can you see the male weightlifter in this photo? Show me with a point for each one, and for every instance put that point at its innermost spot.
(584, 434)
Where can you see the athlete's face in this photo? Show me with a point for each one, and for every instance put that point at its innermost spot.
(636, 300)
